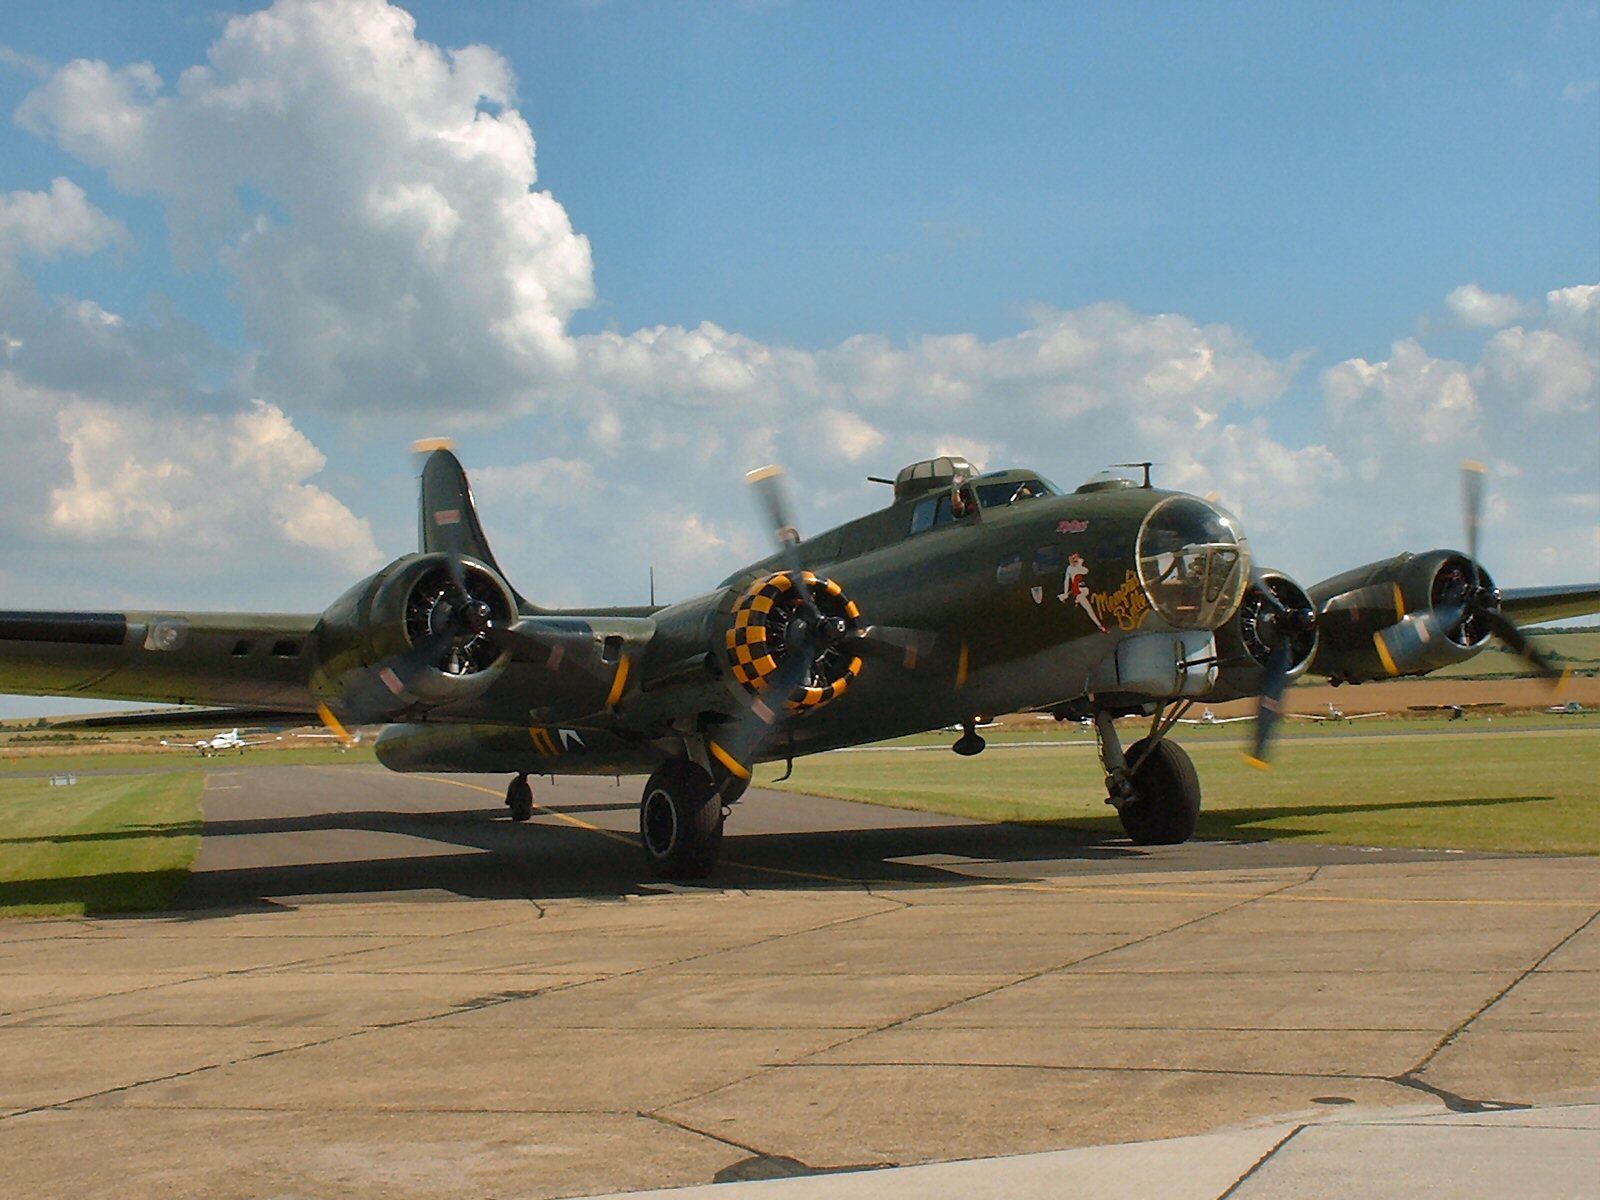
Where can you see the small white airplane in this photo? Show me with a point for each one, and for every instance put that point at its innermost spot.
(1335, 713)
(1570, 708)
(1207, 717)
(228, 739)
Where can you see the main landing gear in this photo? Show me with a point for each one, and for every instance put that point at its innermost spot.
(1153, 784)
(519, 798)
(680, 821)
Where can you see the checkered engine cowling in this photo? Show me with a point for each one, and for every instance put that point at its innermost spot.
(756, 644)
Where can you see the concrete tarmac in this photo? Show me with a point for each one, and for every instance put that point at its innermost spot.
(380, 986)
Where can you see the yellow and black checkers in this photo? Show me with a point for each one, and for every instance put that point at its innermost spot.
(759, 617)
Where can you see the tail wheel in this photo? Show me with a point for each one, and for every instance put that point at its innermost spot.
(1166, 802)
(769, 621)
(680, 822)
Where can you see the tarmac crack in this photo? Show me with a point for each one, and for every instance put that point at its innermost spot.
(1262, 1161)
(1411, 1078)
(900, 1021)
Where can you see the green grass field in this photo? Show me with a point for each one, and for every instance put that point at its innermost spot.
(1534, 790)
(34, 763)
(116, 843)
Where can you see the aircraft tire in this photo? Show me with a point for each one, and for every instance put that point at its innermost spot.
(1166, 803)
(519, 799)
(680, 822)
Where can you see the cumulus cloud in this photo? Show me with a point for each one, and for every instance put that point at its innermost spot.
(205, 483)
(370, 193)
(1475, 308)
(50, 224)
(373, 198)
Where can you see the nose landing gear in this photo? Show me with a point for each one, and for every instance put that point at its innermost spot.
(1153, 785)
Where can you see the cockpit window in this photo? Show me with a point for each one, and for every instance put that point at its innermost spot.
(998, 495)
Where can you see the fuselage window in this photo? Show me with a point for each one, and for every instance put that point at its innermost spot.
(1047, 560)
(998, 495)
(931, 513)
(1009, 570)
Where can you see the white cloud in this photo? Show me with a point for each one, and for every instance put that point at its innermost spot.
(1476, 308)
(370, 193)
(205, 484)
(50, 224)
(372, 197)
(1580, 90)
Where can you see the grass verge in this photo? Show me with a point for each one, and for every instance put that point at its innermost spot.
(1534, 791)
(115, 843)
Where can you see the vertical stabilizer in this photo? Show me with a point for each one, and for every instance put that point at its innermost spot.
(447, 518)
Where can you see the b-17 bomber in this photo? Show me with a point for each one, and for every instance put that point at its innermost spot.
(968, 593)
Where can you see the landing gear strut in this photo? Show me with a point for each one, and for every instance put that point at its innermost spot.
(519, 798)
(1153, 785)
(680, 821)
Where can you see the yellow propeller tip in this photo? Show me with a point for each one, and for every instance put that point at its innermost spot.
(429, 445)
(1383, 654)
(1259, 764)
(1475, 466)
(1561, 683)
(761, 473)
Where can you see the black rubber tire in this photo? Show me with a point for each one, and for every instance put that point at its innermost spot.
(680, 822)
(519, 799)
(1166, 804)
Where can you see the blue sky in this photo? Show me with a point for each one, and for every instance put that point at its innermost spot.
(1307, 256)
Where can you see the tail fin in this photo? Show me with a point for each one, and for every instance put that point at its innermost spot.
(447, 518)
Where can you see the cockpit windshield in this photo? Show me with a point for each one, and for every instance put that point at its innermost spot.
(1193, 563)
(1012, 491)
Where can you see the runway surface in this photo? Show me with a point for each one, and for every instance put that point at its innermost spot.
(380, 986)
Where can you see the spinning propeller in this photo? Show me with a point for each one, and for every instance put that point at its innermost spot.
(459, 621)
(1468, 607)
(809, 636)
(1465, 608)
(1278, 626)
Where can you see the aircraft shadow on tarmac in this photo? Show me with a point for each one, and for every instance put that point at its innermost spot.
(499, 859)
(546, 860)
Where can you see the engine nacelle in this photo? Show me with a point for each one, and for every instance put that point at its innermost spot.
(1246, 642)
(398, 623)
(765, 626)
(1354, 606)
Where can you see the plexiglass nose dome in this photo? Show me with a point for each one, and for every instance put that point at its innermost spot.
(1193, 563)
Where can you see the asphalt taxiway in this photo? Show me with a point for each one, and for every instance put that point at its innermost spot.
(380, 986)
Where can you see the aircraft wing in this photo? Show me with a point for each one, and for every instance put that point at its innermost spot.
(1363, 716)
(254, 660)
(1305, 717)
(1530, 606)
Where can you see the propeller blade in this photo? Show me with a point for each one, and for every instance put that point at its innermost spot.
(1398, 643)
(738, 749)
(1269, 710)
(1472, 479)
(1517, 642)
(768, 485)
(913, 648)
